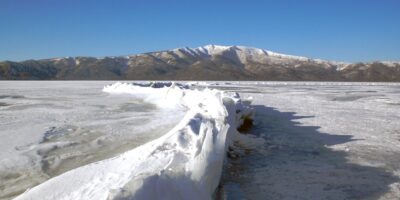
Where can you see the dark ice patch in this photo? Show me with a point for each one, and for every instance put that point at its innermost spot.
(11, 97)
(160, 84)
(347, 98)
(136, 107)
(2, 104)
(56, 132)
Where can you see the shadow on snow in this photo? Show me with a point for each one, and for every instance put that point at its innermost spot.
(296, 163)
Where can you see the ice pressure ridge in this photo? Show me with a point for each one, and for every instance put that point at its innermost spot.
(185, 163)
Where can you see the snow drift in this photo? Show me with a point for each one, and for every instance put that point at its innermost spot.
(185, 163)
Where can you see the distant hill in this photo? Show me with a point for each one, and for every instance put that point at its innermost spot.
(209, 62)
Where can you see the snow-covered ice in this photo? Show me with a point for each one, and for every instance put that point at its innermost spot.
(324, 140)
(185, 163)
(48, 128)
(310, 140)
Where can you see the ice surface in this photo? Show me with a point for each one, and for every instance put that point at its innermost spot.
(185, 163)
(322, 140)
(48, 128)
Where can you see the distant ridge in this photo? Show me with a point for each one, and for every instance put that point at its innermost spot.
(210, 62)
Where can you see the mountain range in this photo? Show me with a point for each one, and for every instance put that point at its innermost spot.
(210, 62)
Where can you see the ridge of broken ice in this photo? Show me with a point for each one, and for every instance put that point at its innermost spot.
(185, 163)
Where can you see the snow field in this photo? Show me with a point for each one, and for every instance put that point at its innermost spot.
(185, 163)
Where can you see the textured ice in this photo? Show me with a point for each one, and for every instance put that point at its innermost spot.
(185, 163)
(323, 140)
(48, 128)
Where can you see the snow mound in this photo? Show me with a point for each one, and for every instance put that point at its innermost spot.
(163, 94)
(185, 163)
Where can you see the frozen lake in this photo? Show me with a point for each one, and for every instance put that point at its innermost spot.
(48, 128)
(323, 140)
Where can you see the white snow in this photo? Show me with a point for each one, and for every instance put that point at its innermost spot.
(76, 121)
(185, 163)
(352, 127)
(391, 63)
(77, 61)
(245, 54)
(324, 140)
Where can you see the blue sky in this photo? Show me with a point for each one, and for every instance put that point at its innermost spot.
(343, 30)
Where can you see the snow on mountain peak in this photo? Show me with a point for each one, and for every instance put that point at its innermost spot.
(241, 52)
(216, 48)
(245, 54)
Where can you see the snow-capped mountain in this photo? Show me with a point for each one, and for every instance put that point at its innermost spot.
(210, 62)
(242, 52)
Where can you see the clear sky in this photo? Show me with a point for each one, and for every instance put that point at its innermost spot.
(343, 30)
